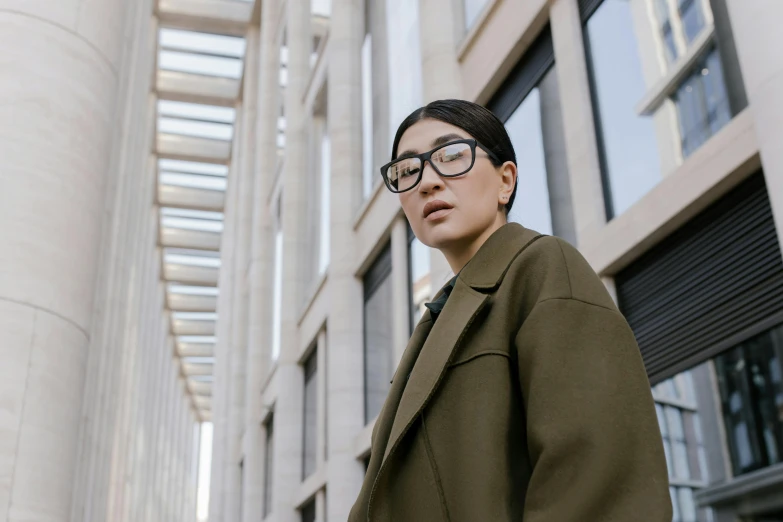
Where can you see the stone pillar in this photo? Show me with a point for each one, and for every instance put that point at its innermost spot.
(442, 79)
(581, 146)
(222, 369)
(758, 39)
(62, 73)
(555, 158)
(288, 410)
(244, 162)
(261, 260)
(344, 372)
(401, 290)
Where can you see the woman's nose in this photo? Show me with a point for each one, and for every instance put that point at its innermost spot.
(430, 179)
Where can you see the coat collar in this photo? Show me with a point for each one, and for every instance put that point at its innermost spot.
(486, 269)
(470, 294)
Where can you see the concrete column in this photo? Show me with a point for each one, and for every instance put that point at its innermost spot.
(222, 349)
(344, 371)
(401, 290)
(759, 40)
(244, 161)
(558, 181)
(261, 262)
(61, 76)
(442, 79)
(288, 410)
(581, 146)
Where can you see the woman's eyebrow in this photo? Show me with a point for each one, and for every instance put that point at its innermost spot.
(436, 142)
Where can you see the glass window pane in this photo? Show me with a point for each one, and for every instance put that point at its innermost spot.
(702, 103)
(692, 18)
(326, 176)
(631, 158)
(687, 506)
(531, 206)
(378, 346)
(310, 415)
(368, 161)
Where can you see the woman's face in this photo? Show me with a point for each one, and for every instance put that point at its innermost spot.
(470, 204)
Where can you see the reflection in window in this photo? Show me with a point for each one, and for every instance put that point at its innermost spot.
(323, 236)
(751, 390)
(683, 444)
(378, 345)
(367, 120)
(630, 157)
(531, 205)
(692, 18)
(702, 103)
(309, 461)
(419, 273)
(277, 295)
(473, 9)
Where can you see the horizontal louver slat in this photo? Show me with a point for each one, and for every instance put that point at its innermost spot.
(718, 276)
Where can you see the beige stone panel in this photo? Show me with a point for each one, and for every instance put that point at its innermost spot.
(508, 30)
(55, 119)
(47, 357)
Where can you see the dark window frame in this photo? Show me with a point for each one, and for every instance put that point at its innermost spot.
(376, 275)
(310, 371)
(269, 426)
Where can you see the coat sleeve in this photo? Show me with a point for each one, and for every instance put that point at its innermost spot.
(592, 433)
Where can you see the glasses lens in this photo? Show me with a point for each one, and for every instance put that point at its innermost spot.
(403, 174)
(453, 159)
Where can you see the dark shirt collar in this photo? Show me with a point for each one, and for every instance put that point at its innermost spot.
(436, 306)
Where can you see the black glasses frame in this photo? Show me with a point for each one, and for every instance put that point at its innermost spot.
(425, 157)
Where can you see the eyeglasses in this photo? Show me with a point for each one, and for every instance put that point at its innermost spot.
(449, 161)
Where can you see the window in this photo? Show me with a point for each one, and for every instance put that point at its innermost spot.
(269, 453)
(702, 103)
(278, 293)
(378, 346)
(692, 17)
(420, 284)
(367, 119)
(325, 195)
(751, 392)
(310, 436)
(630, 157)
(529, 105)
(308, 512)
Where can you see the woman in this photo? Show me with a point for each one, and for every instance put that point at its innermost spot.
(522, 395)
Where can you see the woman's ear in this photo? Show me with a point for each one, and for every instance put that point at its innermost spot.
(508, 179)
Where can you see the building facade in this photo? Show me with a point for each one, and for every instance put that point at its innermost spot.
(205, 239)
(646, 132)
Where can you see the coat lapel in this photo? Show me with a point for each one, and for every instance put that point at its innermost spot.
(463, 306)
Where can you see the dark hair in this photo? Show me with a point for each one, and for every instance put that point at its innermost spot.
(478, 121)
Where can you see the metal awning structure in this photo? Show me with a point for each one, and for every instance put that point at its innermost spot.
(201, 50)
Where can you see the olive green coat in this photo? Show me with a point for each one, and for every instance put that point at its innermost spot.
(527, 400)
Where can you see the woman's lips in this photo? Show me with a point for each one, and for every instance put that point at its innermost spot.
(436, 209)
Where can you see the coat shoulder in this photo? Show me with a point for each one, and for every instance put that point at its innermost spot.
(551, 268)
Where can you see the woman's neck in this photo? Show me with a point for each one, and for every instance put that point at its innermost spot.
(459, 256)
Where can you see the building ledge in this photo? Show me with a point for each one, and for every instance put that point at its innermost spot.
(767, 480)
